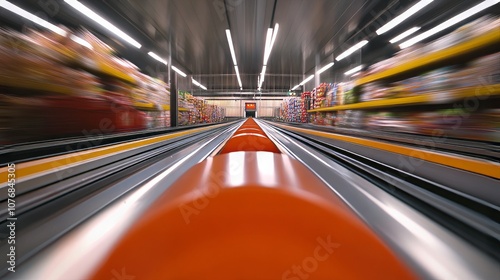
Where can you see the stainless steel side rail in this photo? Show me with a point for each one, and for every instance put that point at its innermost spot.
(431, 250)
(74, 252)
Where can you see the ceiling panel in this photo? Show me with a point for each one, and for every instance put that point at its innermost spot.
(192, 32)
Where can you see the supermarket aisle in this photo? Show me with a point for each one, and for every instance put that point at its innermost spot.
(248, 186)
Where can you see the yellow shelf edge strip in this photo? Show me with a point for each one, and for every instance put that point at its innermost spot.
(108, 70)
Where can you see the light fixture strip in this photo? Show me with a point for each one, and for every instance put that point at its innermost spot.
(29, 16)
(270, 39)
(195, 82)
(306, 80)
(179, 71)
(351, 50)
(275, 33)
(157, 57)
(198, 84)
(326, 67)
(452, 21)
(402, 17)
(354, 70)
(267, 47)
(270, 42)
(404, 35)
(238, 75)
(106, 24)
(263, 75)
(81, 41)
(231, 46)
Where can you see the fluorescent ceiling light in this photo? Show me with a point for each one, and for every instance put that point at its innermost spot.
(354, 70)
(238, 75)
(404, 34)
(275, 33)
(157, 57)
(231, 46)
(179, 71)
(351, 50)
(454, 20)
(306, 80)
(198, 84)
(27, 15)
(270, 39)
(81, 41)
(326, 67)
(408, 13)
(106, 24)
(195, 82)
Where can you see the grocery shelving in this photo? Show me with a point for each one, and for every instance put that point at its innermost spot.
(476, 44)
(428, 98)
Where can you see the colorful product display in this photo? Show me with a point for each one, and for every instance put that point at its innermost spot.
(71, 88)
(455, 98)
(291, 110)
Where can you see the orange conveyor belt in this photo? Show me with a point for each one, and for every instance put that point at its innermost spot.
(251, 212)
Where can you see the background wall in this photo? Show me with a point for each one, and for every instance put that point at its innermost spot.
(236, 107)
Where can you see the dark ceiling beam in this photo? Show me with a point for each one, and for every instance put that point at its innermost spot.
(227, 16)
(272, 16)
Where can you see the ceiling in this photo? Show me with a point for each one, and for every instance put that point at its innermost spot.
(192, 33)
(195, 31)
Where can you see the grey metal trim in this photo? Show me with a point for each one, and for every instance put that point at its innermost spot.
(431, 250)
(106, 217)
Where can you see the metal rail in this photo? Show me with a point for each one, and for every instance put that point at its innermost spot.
(399, 213)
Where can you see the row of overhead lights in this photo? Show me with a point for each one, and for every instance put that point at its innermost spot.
(397, 20)
(95, 17)
(233, 55)
(270, 39)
